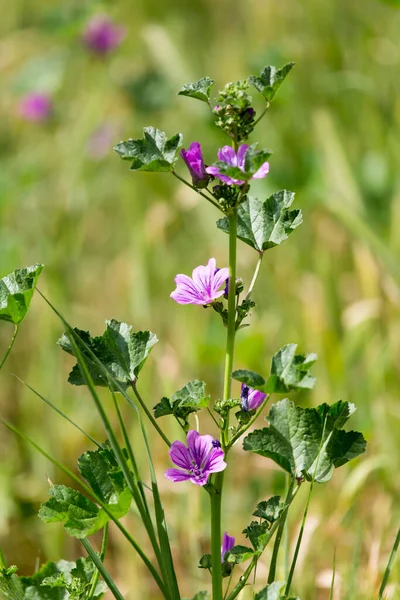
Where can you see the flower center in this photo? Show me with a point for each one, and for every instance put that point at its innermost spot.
(196, 471)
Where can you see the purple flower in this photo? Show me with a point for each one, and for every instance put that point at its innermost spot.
(251, 399)
(102, 35)
(229, 156)
(195, 163)
(202, 287)
(227, 544)
(197, 461)
(35, 107)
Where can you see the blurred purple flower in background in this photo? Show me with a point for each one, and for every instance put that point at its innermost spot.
(228, 155)
(195, 163)
(197, 461)
(102, 35)
(35, 107)
(202, 288)
(227, 544)
(251, 399)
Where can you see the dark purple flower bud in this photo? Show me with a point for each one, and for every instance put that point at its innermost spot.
(216, 444)
(102, 35)
(251, 399)
(195, 163)
(227, 544)
(35, 107)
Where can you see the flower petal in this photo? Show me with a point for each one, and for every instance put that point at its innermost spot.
(180, 455)
(200, 480)
(228, 155)
(176, 475)
(199, 446)
(241, 155)
(262, 171)
(215, 461)
(220, 277)
(227, 544)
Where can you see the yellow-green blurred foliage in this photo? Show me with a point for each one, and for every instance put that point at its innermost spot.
(112, 241)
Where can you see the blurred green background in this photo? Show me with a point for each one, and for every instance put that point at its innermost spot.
(112, 241)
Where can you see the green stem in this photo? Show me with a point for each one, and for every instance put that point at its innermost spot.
(104, 573)
(3, 563)
(256, 272)
(261, 116)
(149, 415)
(389, 565)
(230, 340)
(278, 539)
(216, 541)
(211, 200)
(16, 329)
(95, 578)
(333, 576)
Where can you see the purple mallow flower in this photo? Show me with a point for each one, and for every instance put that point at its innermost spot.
(227, 544)
(35, 107)
(197, 461)
(251, 399)
(195, 163)
(229, 156)
(202, 287)
(102, 35)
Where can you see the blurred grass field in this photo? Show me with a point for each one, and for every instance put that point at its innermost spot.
(112, 241)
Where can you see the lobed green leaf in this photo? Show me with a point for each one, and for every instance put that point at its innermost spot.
(190, 398)
(155, 152)
(290, 371)
(238, 554)
(201, 89)
(250, 378)
(270, 80)
(122, 352)
(270, 510)
(258, 534)
(265, 224)
(307, 442)
(16, 291)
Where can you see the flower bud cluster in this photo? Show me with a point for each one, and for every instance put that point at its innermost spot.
(234, 112)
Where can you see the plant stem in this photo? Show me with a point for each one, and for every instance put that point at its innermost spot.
(256, 272)
(389, 565)
(216, 493)
(104, 573)
(261, 116)
(216, 541)
(16, 329)
(211, 200)
(150, 416)
(95, 578)
(278, 539)
(230, 340)
(333, 576)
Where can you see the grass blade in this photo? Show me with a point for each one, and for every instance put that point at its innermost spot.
(389, 565)
(101, 568)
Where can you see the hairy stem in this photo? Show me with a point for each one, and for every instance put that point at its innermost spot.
(16, 329)
(216, 493)
(256, 272)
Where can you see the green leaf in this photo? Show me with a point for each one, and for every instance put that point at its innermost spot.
(270, 80)
(270, 510)
(290, 371)
(189, 399)
(265, 224)
(250, 378)
(80, 516)
(101, 471)
(76, 579)
(122, 352)
(16, 291)
(200, 90)
(11, 586)
(40, 586)
(273, 591)
(153, 153)
(238, 554)
(258, 534)
(296, 436)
